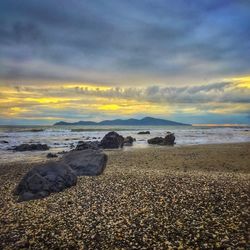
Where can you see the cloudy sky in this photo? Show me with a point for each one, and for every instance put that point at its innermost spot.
(184, 60)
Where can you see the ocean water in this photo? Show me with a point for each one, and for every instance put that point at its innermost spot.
(63, 138)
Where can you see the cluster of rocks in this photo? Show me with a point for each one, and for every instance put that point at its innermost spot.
(111, 140)
(55, 176)
(167, 140)
(114, 140)
(85, 159)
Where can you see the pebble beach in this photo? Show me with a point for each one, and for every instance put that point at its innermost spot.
(189, 197)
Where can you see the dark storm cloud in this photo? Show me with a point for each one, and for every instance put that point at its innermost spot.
(91, 40)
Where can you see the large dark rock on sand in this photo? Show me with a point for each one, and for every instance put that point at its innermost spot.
(31, 147)
(112, 140)
(82, 145)
(167, 140)
(144, 133)
(86, 162)
(45, 179)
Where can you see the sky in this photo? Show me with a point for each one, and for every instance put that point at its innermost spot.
(182, 60)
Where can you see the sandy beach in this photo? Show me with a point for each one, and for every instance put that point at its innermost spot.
(190, 197)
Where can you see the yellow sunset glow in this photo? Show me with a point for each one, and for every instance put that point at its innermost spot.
(109, 107)
(243, 81)
(47, 100)
(29, 101)
(16, 109)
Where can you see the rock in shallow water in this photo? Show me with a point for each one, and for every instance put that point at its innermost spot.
(45, 179)
(128, 141)
(167, 140)
(86, 162)
(87, 145)
(51, 155)
(144, 133)
(112, 140)
(31, 147)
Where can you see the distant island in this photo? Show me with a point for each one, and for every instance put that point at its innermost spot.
(146, 121)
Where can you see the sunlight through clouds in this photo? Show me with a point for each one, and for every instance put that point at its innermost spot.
(229, 96)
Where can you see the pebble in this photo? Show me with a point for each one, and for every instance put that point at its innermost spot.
(149, 206)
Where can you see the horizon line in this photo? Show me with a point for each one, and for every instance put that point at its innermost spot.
(193, 125)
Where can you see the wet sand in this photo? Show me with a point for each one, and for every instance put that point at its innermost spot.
(155, 198)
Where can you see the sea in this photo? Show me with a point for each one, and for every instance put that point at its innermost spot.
(64, 138)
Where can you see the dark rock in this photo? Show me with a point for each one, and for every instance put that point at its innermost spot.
(4, 142)
(31, 147)
(144, 133)
(32, 130)
(167, 140)
(62, 152)
(112, 140)
(86, 162)
(156, 140)
(36, 130)
(87, 145)
(78, 130)
(128, 141)
(45, 179)
(51, 155)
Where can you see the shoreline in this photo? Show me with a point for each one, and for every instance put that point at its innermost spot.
(186, 145)
(40, 156)
(175, 197)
